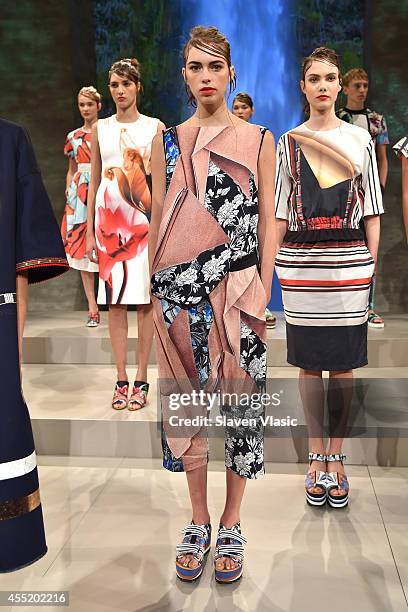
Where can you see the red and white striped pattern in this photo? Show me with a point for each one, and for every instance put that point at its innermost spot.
(326, 283)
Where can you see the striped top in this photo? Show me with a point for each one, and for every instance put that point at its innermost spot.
(339, 185)
(401, 147)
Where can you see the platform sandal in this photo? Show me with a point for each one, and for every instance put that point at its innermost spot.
(230, 543)
(375, 321)
(337, 480)
(196, 542)
(270, 319)
(138, 399)
(316, 480)
(93, 319)
(120, 395)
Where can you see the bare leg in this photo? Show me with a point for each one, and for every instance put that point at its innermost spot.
(88, 280)
(145, 334)
(339, 398)
(197, 487)
(312, 393)
(118, 331)
(231, 515)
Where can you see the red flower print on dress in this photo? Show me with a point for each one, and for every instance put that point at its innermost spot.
(119, 240)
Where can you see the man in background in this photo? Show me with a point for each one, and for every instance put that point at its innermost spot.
(355, 87)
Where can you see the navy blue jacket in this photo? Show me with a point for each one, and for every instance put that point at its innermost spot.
(29, 241)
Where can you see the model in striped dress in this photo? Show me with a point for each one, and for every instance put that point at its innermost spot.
(327, 187)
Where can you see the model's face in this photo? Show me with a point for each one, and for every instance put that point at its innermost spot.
(88, 108)
(321, 85)
(356, 92)
(123, 91)
(207, 76)
(242, 110)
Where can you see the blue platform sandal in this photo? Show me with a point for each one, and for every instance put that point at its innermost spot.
(316, 480)
(338, 481)
(196, 542)
(230, 543)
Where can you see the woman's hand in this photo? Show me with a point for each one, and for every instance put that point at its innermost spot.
(91, 250)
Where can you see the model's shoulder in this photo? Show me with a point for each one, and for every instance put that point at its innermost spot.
(11, 130)
(75, 133)
(356, 131)
(5, 124)
(298, 129)
(342, 113)
(148, 118)
(255, 128)
(106, 121)
(374, 114)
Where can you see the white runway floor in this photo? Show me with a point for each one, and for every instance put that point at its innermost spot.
(112, 522)
(112, 525)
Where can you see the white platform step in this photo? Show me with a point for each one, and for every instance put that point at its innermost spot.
(71, 413)
(64, 338)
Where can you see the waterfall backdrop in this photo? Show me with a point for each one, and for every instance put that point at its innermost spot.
(49, 51)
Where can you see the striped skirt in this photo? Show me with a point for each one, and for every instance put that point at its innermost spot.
(325, 291)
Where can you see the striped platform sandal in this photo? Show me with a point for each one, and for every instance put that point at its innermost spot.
(196, 542)
(230, 543)
(316, 480)
(337, 481)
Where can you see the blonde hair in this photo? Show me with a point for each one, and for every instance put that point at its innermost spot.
(212, 41)
(353, 75)
(90, 92)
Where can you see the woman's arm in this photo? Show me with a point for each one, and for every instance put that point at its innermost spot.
(72, 168)
(404, 168)
(96, 171)
(158, 169)
(22, 301)
(372, 228)
(281, 229)
(382, 162)
(266, 202)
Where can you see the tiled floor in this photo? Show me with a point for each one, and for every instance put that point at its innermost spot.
(112, 525)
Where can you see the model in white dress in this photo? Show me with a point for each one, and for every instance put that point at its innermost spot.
(122, 210)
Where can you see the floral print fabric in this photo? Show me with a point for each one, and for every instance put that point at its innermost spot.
(190, 285)
(73, 228)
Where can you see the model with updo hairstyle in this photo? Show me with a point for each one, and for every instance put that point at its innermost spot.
(119, 207)
(127, 67)
(78, 150)
(209, 40)
(328, 202)
(211, 262)
(320, 54)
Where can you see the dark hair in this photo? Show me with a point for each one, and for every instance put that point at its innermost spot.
(212, 41)
(127, 67)
(321, 54)
(244, 98)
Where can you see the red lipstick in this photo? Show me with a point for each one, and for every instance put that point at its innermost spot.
(207, 90)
